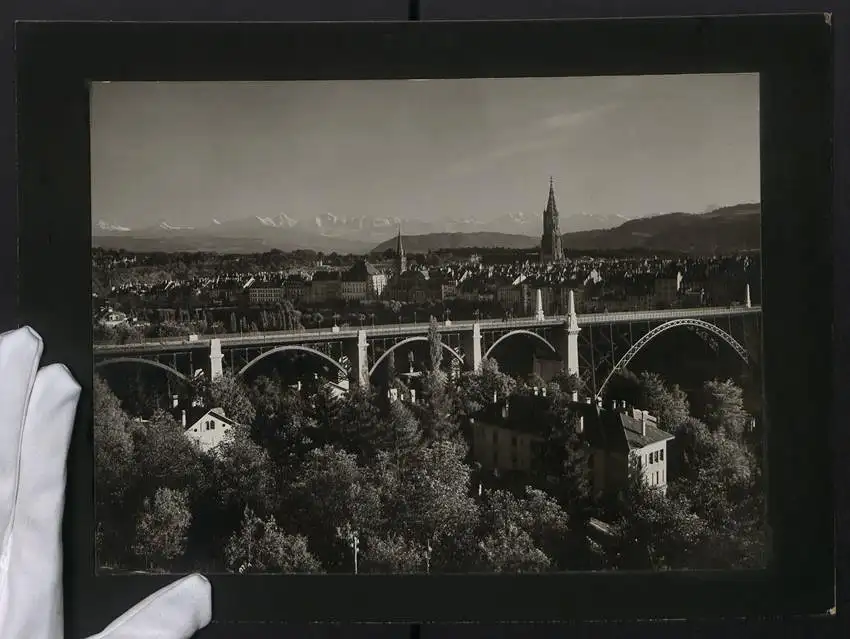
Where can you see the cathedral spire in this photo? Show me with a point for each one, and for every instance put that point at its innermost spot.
(551, 205)
(401, 259)
(550, 243)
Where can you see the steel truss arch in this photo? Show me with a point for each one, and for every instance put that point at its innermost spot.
(409, 340)
(663, 328)
(519, 331)
(292, 347)
(142, 360)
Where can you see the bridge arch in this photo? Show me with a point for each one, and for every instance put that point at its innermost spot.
(140, 360)
(418, 338)
(520, 331)
(663, 328)
(292, 347)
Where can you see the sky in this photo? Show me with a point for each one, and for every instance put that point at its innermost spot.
(190, 152)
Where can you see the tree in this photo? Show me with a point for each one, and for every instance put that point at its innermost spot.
(225, 392)
(482, 387)
(282, 424)
(261, 546)
(161, 528)
(331, 492)
(654, 531)
(400, 435)
(113, 445)
(534, 380)
(394, 554)
(392, 374)
(163, 456)
(525, 534)
(437, 414)
(357, 421)
(114, 476)
(435, 345)
(431, 502)
(566, 382)
(669, 406)
(722, 481)
(243, 474)
(624, 386)
(723, 408)
(565, 460)
(511, 549)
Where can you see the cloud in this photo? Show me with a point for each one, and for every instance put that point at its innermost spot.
(548, 132)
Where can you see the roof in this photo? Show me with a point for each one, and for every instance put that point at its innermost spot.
(525, 413)
(630, 422)
(218, 413)
(326, 276)
(614, 429)
(360, 271)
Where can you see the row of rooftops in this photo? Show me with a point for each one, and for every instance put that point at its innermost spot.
(615, 426)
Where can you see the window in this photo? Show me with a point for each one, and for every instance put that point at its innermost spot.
(661, 452)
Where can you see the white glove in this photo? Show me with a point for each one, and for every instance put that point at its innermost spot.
(37, 409)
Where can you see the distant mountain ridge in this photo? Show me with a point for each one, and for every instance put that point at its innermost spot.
(724, 230)
(325, 232)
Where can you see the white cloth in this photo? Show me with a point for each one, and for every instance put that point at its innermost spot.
(37, 409)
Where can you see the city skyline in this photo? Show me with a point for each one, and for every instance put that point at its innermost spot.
(191, 153)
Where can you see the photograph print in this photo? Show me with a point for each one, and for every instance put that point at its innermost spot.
(496, 325)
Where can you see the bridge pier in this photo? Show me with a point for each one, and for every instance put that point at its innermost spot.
(568, 338)
(357, 351)
(471, 342)
(216, 357)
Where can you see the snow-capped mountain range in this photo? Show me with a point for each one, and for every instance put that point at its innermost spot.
(327, 231)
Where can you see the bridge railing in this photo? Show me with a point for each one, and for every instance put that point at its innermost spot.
(408, 328)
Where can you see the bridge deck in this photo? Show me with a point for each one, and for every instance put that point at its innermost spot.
(419, 328)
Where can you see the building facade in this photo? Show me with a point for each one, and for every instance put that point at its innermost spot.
(210, 429)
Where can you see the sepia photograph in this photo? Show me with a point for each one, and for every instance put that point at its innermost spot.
(428, 326)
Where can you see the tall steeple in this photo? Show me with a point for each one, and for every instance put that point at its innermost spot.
(550, 243)
(401, 258)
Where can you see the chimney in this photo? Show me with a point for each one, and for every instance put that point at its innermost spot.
(183, 418)
(643, 424)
